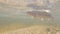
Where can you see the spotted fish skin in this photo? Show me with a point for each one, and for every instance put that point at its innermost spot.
(40, 14)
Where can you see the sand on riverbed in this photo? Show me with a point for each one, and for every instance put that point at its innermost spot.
(40, 29)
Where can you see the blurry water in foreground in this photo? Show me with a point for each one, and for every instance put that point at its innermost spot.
(10, 20)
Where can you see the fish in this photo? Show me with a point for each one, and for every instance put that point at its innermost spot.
(40, 14)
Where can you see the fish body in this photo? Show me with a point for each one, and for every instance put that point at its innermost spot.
(40, 14)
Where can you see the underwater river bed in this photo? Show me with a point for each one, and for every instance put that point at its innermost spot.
(13, 18)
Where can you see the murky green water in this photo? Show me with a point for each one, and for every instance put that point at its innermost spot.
(7, 19)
